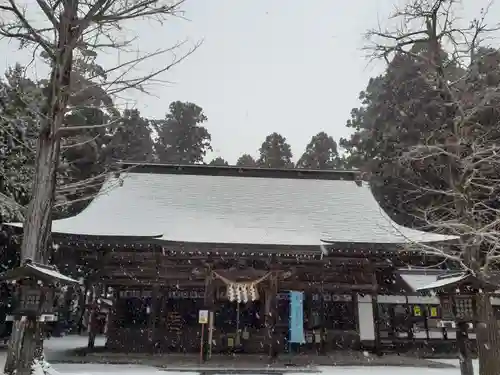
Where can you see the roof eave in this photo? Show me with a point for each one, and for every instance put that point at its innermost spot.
(445, 239)
(94, 237)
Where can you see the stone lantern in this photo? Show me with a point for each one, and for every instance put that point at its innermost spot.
(457, 293)
(37, 289)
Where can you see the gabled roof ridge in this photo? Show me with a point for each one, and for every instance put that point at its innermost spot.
(235, 171)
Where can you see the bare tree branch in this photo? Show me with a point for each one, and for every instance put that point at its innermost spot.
(71, 34)
(458, 165)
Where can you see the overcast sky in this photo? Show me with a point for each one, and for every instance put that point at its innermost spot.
(291, 66)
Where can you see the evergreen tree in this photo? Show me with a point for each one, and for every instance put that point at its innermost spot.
(321, 153)
(246, 160)
(219, 161)
(275, 152)
(181, 137)
(400, 109)
(20, 102)
(132, 140)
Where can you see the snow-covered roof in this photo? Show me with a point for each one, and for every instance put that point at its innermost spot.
(418, 281)
(53, 273)
(445, 281)
(41, 271)
(208, 208)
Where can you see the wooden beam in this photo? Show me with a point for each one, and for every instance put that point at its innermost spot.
(305, 286)
(151, 277)
(137, 282)
(291, 257)
(326, 276)
(287, 256)
(163, 263)
(148, 268)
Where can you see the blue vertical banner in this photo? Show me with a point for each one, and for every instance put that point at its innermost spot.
(296, 317)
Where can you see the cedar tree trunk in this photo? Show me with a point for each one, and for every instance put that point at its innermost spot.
(487, 333)
(26, 335)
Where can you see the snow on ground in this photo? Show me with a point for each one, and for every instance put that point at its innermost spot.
(56, 346)
(372, 370)
(73, 369)
(95, 369)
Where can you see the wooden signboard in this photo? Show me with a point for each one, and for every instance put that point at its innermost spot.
(464, 308)
(447, 308)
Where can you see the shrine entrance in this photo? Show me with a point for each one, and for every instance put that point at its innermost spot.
(240, 313)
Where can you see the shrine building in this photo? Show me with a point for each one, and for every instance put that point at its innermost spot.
(166, 241)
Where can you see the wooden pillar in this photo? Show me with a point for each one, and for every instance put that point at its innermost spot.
(112, 318)
(209, 291)
(209, 302)
(271, 308)
(153, 317)
(376, 314)
(92, 320)
(355, 307)
(93, 324)
(82, 304)
(159, 326)
(324, 345)
(97, 291)
(163, 332)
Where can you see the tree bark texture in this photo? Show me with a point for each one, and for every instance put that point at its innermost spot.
(463, 351)
(26, 335)
(14, 348)
(30, 344)
(488, 338)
